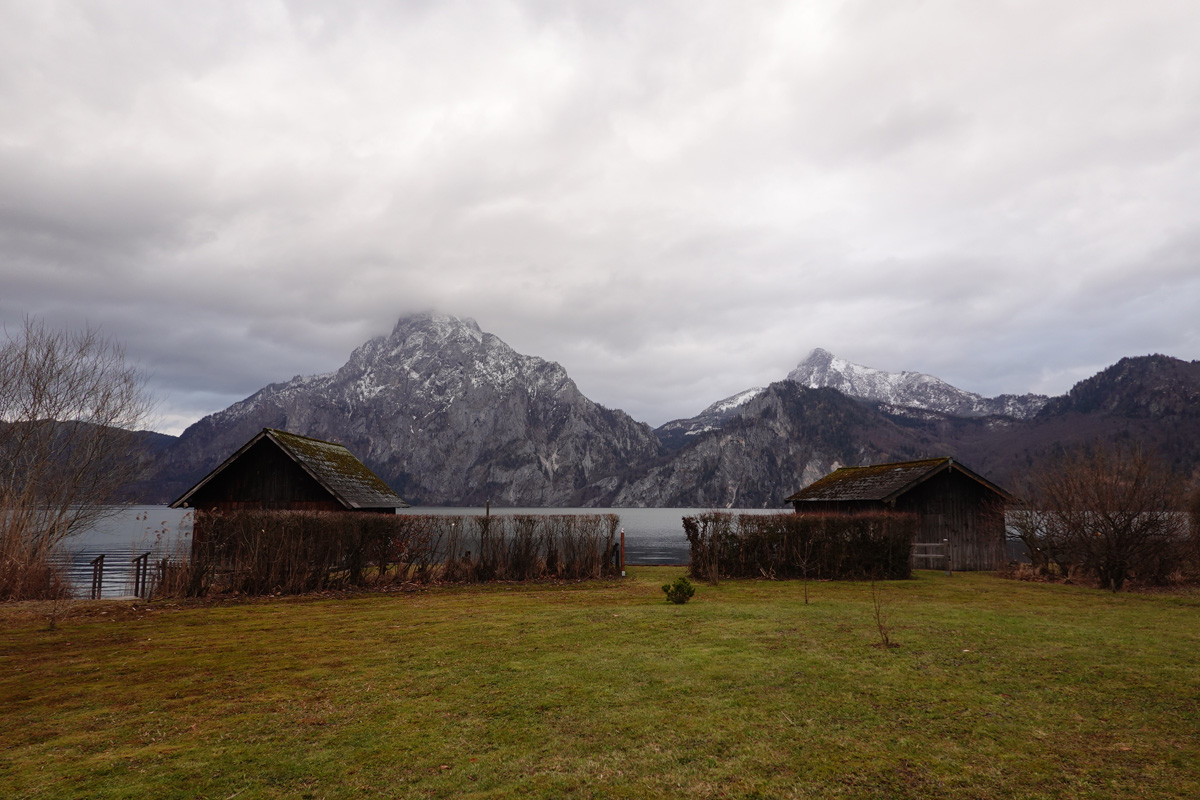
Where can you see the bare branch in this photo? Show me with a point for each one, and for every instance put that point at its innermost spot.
(1110, 511)
(70, 404)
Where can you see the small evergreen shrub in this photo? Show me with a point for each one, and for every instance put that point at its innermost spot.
(680, 591)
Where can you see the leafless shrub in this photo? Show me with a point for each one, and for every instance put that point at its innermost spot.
(708, 535)
(880, 610)
(27, 571)
(57, 607)
(69, 406)
(1110, 512)
(269, 552)
(789, 546)
(1193, 512)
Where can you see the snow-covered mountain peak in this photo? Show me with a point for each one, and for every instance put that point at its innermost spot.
(674, 433)
(446, 412)
(730, 403)
(821, 369)
(445, 355)
(437, 327)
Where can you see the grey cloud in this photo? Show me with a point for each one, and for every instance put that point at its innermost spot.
(675, 201)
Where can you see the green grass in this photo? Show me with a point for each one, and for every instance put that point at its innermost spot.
(999, 689)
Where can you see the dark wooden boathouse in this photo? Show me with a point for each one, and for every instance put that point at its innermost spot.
(950, 501)
(277, 470)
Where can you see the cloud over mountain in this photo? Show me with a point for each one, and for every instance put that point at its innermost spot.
(672, 200)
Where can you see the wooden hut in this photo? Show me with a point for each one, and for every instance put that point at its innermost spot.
(950, 501)
(277, 470)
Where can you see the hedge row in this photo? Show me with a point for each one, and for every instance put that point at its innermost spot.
(287, 552)
(816, 546)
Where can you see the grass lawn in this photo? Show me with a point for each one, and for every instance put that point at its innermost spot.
(998, 689)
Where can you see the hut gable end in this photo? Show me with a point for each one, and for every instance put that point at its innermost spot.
(263, 476)
(281, 470)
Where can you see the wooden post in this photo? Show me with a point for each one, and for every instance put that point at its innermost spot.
(946, 544)
(622, 552)
(97, 576)
(141, 575)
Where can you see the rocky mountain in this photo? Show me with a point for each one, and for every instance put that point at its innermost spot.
(756, 452)
(1145, 387)
(780, 440)
(677, 433)
(908, 390)
(449, 414)
(446, 414)
(897, 394)
(1153, 400)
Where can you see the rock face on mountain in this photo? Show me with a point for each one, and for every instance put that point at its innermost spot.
(908, 389)
(449, 414)
(677, 433)
(446, 414)
(755, 453)
(785, 437)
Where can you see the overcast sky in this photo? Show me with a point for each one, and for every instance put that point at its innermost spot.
(675, 201)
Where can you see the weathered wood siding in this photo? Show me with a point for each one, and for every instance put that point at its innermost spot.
(949, 506)
(954, 507)
(264, 478)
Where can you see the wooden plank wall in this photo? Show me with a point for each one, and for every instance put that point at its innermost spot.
(957, 508)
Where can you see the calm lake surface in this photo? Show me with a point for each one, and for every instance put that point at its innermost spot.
(652, 536)
(121, 537)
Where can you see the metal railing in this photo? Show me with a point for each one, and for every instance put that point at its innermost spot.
(139, 579)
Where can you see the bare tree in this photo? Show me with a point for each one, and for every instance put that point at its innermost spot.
(69, 406)
(1048, 553)
(1112, 511)
(880, 607)
(706, 533)
(1192, 502)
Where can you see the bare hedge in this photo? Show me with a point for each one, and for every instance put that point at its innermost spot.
(289, 552)
(814, 546)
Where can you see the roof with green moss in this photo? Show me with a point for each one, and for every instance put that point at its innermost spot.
(336, 468)
(883, 482)
(331, 465)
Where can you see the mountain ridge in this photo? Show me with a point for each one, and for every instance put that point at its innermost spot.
(908, 389)
(913, 394)
(445, 413)
(449, 414)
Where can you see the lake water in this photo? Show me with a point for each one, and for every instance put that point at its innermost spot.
(126, 534)
(652, 536)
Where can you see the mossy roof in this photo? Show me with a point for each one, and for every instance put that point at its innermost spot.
(882, 482)
(335, 468)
